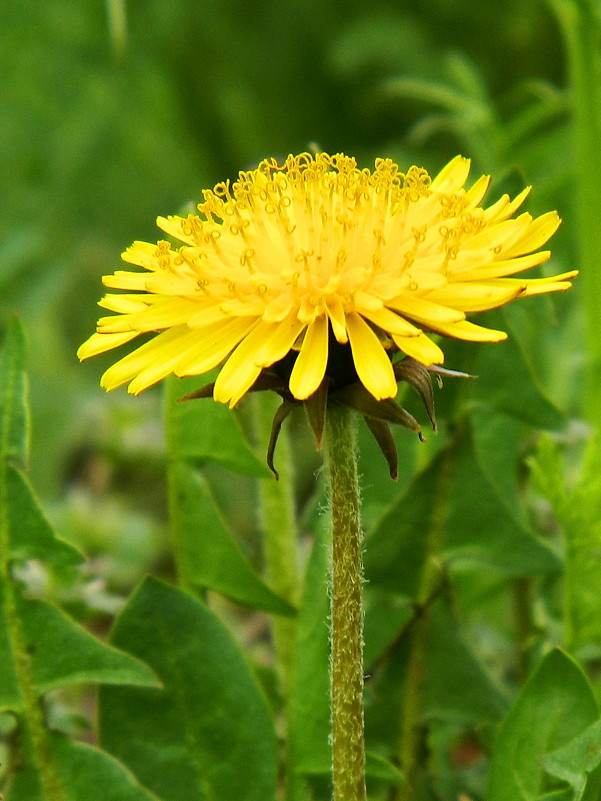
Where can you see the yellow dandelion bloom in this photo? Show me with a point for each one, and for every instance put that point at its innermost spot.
(316, 260)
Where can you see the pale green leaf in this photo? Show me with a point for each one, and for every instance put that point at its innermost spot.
(555, 706)
(577, 762)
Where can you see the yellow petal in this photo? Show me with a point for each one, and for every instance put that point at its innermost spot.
(278, 342)
(476, 192)
(310, 366)
(157, 349)
(174, 226)
(502, 267)
(475, 297)
(470, 332)
(371, 360)
(538, 232)
(239, 372)
(165, 314)
(420, 348)
(211, 345)
(99, 343)
(278, 308)
(162, 364)
(123, 279)
(424, 311)
(391, 322)
(337, 317)
(165, 283)
(144, 254)
(125, 304)
(538, 286)
(452, 176)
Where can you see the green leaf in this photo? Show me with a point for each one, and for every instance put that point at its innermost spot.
(386, 616)
(30, 534)
(557, 795)
(86, 774)
(60, 653)
(480, 526)
(64, 653)
(13, 409)
(456, 684)
(376, 767)
(208, 733)
(507, 381)
(577, 762)
(211, 559)
(204, 431)
(555, 706)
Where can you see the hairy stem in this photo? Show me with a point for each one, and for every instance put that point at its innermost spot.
(346, 609)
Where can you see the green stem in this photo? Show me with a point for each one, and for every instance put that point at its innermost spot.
(580, 28)
(346, 608)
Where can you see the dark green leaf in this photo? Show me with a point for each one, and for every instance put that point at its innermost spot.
(30, 534)
(480, 526)
(208, 733)
(204, 431)
(64, 653)
(507, 381)
(85, 774)
(386, 616)
(456, 684)
(13, 411)
(211, 558)
(555, 706)
(376, 767)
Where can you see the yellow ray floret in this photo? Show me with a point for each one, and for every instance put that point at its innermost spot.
(304, 258)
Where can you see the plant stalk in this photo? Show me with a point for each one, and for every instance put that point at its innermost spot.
(346, 608)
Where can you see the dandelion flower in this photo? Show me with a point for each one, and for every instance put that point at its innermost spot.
(315, 269)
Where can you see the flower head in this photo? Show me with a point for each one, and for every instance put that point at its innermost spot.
(315, 268)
